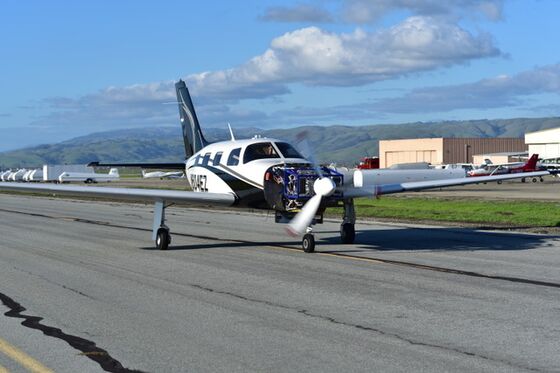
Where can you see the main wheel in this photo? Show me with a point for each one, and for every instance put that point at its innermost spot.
(308, 243)
(89, 181)
(534, 180)
(523, 180)
(163, 239)
(347, 233)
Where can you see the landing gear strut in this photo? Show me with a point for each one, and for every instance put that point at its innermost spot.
(160, 231)
(347, 230)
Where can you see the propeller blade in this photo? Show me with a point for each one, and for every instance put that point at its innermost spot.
(303, 219)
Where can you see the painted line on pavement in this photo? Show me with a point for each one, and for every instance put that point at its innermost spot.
(22, 358)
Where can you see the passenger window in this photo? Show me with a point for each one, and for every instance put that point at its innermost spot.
(217, 159)
(233, 159)
(259, 151)
(206, 159)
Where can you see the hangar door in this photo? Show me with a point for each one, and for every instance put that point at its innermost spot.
(409, 156)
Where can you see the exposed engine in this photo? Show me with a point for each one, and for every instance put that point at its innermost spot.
(288, 187)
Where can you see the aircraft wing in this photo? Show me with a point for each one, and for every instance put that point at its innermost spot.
(376, 190)
(147, 195)
(153, 166)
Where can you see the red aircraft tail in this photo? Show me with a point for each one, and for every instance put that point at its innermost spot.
(531, 164)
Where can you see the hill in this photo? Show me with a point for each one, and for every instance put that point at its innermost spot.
(340, 144)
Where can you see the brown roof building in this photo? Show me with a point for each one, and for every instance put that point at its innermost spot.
(443, 150)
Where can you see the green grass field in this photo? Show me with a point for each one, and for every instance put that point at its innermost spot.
(507, 213)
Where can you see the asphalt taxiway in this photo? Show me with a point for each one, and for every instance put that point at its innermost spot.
(234, 293)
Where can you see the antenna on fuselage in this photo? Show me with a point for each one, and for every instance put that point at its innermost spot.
(231, 132)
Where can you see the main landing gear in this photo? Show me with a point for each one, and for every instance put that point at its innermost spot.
(160, 231)
(347, 228)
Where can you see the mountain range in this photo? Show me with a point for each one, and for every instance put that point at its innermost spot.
(344, 145)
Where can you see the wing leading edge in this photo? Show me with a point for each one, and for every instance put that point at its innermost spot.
(148, 195)
(376, 190)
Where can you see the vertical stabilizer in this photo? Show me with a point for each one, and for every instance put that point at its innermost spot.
(531, 164)
(192, 135)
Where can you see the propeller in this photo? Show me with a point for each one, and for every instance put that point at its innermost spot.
(323, 187)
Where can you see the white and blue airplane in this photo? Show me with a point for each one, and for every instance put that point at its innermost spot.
(259, 173)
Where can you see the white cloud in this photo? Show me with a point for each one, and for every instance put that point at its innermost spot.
(317, 57)
(309, 56)
(500, 91)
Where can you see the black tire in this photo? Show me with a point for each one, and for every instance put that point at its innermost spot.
(163, 239)
(542, 180)
(347, 233)
(308, 243)
(89, 181)
(534, 180)
(523, 180)
(499, 181)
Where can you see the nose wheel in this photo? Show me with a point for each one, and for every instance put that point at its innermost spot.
(308, 243)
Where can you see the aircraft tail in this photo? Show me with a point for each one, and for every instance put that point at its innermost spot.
(531, 164)
(192, 134)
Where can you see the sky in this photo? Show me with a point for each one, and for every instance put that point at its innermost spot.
(70, 68)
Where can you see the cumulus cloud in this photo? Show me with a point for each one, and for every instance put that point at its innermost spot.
(317, 57)
(297, 13)
(309, 56)
(499, 91)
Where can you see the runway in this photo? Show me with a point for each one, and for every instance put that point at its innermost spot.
(234, 293)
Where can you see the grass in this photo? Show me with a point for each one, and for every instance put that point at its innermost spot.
(507, 213)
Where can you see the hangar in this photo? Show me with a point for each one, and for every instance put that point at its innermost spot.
(444, 150)
(545, 143)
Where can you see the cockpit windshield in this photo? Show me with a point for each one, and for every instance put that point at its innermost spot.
(287, 150)
(259, 151)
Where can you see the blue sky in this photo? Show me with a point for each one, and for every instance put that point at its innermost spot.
(73, 68)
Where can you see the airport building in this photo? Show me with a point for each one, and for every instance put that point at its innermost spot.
(444, 150)
(545, 143)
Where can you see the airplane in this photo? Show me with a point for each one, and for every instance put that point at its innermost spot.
(489, 169)
(89, 177)
(162, 174)
(262, 173)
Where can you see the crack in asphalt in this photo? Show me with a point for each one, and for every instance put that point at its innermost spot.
(332, 320)
(87, 348)
(55, 283)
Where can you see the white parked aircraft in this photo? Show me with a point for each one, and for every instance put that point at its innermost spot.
(258, 173)
(162, 174)
(89, 177)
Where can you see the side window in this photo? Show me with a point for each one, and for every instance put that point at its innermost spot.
(233, 159)
(205, 159)
(217, 159)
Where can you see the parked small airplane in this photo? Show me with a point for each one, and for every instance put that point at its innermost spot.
(162, 174)
(258, 173)
(489, 168)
